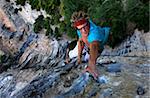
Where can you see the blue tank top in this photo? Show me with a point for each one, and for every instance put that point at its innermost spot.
(96, 33)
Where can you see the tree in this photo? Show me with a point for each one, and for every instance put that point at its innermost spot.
(117, 14)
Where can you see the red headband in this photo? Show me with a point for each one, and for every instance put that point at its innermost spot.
(80, 22)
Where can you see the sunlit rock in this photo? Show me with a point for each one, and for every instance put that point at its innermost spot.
(39, 70)
(6, 21)
(136, 45)
(36, 52)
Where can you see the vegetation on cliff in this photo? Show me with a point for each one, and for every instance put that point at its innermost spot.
(122, 15)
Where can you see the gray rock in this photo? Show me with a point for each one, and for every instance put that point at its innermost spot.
(41, 72)
(114, 67)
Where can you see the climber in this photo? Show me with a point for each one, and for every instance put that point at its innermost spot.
(91, 40)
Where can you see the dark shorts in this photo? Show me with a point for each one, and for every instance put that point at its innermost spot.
(72, 45)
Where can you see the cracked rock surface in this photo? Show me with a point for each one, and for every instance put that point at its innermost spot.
(32, 66)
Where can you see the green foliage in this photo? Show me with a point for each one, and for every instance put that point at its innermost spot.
(47, 22)
(138, 12)
(38, 25)
(52, 8)
(62, 28)
(114, 13)
(35, 4)
(21, 2)
(43, 23)
(0, 59)
(110, 13)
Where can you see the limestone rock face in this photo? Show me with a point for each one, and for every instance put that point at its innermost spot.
(6, 21)
(136, 45)
(146, 37)
(32, 65)
(13, 31)
(39, 51)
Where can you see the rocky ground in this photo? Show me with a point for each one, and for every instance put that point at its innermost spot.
(32, 65)
(129, 80)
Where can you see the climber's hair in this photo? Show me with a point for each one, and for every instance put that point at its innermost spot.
(76, 16)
